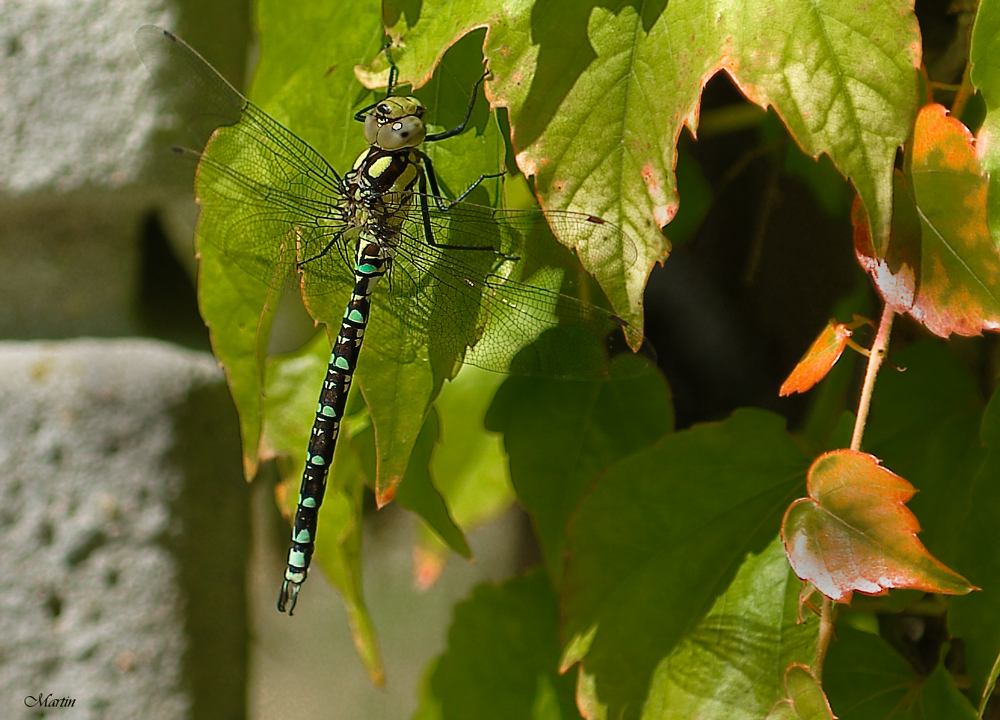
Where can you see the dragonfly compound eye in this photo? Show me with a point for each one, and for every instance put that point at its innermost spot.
(402, 133)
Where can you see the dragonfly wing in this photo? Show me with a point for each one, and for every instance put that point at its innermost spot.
(484, 293)
(269, 200)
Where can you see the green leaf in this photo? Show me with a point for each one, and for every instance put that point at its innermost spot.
(731, 666)
(598, 96)
(805, 700)
(292, 386)
(231, 304)
(866, 679)
(975, 618)
(502, 658)
(461, 470)
(304, 74)
(399, 396)
(419, 495)
(469, 464)
(561, 435)
(662, 534)
(984, 55)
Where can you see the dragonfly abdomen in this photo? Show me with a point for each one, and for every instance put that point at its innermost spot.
(372, 261)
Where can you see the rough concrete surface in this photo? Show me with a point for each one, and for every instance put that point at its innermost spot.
(123, 533)
(83, 148)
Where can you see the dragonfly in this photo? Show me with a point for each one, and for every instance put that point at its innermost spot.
(453, 267)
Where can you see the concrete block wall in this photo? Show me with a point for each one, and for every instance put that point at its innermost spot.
(81, 142)
(124, 522)
(124, 530)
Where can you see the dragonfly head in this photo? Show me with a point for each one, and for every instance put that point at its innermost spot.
(396, 123)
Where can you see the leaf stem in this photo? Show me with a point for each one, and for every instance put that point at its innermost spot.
(875, 357)
(826, 626)
(965, 91)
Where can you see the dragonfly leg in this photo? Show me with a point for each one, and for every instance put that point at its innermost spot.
(458, 129)
(445, 204)
(426, 215)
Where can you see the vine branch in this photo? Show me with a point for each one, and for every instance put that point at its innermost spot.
(875, 358)
(826, 626)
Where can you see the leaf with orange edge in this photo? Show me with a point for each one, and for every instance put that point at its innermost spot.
(805, 698)
(941, 266)
(853, 532)
(599, 93)
(821, 356)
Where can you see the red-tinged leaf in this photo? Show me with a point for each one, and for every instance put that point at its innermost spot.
(895, 273)
(941, 265)
(805, 698)
(821, 356)
(429, 559)
(853, 532)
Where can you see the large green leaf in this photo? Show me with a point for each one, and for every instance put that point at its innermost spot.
(661, 535)
(469, 464)
(503, 657)
(731, 666)
(419, 495)
(866, 679)
(975, 618)
(239, 312)
(561, 435)
(598, 94)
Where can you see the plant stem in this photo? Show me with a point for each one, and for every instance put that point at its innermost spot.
(825, 635)
(875, 357)
(965, 91)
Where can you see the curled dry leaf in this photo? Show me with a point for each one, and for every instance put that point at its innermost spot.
(821, 356)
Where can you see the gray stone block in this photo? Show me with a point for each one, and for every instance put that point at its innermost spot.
(83, 147)
(123, 532)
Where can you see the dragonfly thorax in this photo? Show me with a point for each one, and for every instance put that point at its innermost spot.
(380, 187)
(396, 123)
